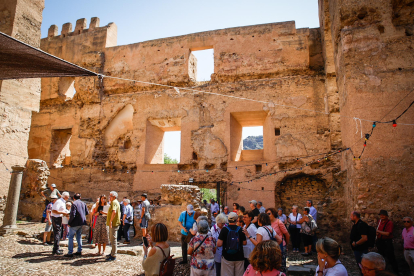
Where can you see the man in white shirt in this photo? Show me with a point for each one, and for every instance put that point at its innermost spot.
(58, 211)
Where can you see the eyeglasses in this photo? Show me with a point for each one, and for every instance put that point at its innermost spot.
(406, 221)
(365, 268)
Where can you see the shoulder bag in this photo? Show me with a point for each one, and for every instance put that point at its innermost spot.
(189, 235)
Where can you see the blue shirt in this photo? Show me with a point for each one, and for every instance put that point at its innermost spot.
(189, 221)
(313, 212)
(129, 212)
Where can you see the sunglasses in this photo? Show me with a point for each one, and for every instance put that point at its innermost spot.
(406, 221)
(365, 268)
(269, 213)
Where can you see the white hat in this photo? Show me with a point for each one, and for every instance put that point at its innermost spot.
(233, 217)
(190, 208)
(53, 185)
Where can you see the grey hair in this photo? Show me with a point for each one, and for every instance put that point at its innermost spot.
(226, 207)
(376, 259)
(410, 218)
(68, 203)
(114, 194)
(295, 207)
(221, 218)
(200, 218)
(127, 200)
(65, 194)
(203, 227)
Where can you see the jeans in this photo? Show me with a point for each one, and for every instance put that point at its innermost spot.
(126, 231)
(113, 233)
(409, 257)
(386, 249)
(218, 268)
(184, 247)
(57, 230)
(358, 257)
(72, 231)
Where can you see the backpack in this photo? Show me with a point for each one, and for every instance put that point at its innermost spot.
(167, 265)
(233, 240)
(272, 238)
(372, 235)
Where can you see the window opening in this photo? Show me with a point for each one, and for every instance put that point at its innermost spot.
(172, 147)
(201, 64)
(252, 138)
(258, 168)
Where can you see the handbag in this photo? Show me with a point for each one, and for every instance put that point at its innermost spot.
(293, 226)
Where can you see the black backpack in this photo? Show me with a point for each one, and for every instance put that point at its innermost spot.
(233, 241)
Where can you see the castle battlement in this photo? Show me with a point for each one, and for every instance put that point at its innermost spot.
(80, 28)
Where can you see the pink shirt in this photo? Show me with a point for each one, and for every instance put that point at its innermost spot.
(251, 272)
(280, 229)
(408, 237)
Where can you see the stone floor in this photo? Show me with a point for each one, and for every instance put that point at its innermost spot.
(24, 254)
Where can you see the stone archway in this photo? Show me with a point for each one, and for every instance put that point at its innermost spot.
(297, 189)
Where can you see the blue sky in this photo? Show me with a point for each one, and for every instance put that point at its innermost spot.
(139, 20)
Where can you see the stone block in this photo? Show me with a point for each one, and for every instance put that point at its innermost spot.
(53, 31)
(66, 28)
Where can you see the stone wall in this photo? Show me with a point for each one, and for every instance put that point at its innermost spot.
(370, 44)
(20, 19)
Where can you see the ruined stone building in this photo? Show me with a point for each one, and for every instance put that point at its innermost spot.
(309, 86)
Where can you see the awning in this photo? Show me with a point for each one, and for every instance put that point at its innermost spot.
(19, 60)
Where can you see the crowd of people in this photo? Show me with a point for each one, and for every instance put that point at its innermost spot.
(224, 242)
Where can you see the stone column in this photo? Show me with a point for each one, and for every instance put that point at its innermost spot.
(10, 213)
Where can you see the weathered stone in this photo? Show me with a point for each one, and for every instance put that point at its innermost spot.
(299, 270)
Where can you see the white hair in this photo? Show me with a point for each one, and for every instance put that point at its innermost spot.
(410, 218)
(127, 200)
(114, 194)
(376, 259)
(221, 218)
(65, 194)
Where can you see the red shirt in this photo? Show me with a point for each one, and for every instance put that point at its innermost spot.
(385, 226)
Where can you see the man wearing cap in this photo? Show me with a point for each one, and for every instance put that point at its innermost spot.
(49, 192)
(408, 237)
(232, 263)
(58, 211)
(384, 239)
(256, 212)
(145, 217)
(186, 220)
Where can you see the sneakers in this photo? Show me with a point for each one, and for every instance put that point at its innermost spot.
(110, 258)
(57, 253)
(78, 253)
(68, 255)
